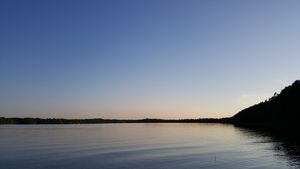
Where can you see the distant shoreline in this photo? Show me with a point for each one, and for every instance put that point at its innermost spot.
(4, 120)
(280, 112)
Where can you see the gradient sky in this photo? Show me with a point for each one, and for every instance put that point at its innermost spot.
(144, 58)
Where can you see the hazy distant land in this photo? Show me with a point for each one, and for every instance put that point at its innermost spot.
(99, 120)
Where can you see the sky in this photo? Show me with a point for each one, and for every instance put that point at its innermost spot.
(132, 59)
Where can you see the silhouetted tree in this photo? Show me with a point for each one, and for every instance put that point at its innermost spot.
(279, 112)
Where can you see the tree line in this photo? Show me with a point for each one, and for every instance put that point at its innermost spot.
(100, 120)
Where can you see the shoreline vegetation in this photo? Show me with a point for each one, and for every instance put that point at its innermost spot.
(279, 112)
(100, 121)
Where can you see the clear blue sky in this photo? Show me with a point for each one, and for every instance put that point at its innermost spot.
(144, 58)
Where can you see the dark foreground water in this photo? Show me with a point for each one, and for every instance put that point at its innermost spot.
(143, 146)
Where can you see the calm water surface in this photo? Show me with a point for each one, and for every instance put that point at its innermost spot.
(142, 146)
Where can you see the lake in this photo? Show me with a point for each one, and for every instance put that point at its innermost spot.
(143, 146)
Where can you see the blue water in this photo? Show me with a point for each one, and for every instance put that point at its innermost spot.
(140, 146)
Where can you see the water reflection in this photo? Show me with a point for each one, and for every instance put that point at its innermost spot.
(285, 144)
(144, 146)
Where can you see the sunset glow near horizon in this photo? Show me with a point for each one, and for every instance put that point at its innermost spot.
(134, 59)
